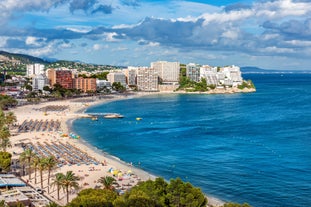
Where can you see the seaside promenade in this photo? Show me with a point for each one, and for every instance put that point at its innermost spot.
(45, 127)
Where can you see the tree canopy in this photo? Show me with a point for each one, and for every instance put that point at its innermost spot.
(157, 193)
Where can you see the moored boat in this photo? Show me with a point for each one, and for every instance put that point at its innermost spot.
(113, 116)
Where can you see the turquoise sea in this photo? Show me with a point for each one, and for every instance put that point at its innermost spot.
(253, 148)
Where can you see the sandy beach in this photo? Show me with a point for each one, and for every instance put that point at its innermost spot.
(46, 128)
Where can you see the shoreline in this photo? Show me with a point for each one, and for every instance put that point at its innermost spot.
(76, 108)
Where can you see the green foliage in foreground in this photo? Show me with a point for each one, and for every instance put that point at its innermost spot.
(94, 198)
(5, 161)
(150, 193)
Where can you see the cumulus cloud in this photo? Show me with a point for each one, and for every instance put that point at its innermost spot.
(10, 8)
(84, 5)
(275, 27)
(134, 3)
(106, 9)
(292, 29)
(34, 41)
(237, 7)
(97, 47)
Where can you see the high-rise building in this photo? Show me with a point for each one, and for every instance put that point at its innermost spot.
(147, 79)
(51, 75)
(117, 77)
(168, 72)
(130, 73)
(85, 84)
(64, 78)
(39, 81)
(209, 73)
(103, 84)
(34, 69)
(232, 74)
(193, 72)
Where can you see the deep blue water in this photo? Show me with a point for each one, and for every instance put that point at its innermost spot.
(253, 148)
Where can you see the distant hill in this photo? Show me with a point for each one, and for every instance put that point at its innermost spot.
(21, 58)
(249, 69)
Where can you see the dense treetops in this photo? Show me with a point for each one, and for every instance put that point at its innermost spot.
(157, 193)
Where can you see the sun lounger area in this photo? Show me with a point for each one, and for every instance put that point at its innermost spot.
(65, 153)
(54, 108)
(39, 125)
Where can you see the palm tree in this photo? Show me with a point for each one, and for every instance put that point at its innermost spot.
(10, 118)
(70, 181)
(2, 118)
(5, 143)
(42, 167)
(58, 182)
(50, 165)
(35, 163)
(27, 156)
(4, 132)
(107, 182)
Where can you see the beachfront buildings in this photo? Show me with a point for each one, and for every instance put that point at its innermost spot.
(219, 76)
(85, 84)
(193, 72)
(147, 79)
(209, 73)
(117, 77)
(233, 76)
(64, 78)
(168, 72)
(160, 76)
(130, 74)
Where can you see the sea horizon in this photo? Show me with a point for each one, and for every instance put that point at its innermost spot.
(235, 147)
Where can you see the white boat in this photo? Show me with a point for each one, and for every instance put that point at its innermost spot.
(113, 116)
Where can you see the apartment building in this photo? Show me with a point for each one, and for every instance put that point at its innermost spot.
(209, 73)
(117, 77)
(130, 74)
(85, 84)
(168, 72)
(34, 69)
(51, 75)
(147, 79)
(39, 81)
(193, 72)
(64, 78)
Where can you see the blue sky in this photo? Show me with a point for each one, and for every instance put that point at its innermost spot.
(272, 34)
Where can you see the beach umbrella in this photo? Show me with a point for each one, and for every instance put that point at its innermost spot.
(115, 172)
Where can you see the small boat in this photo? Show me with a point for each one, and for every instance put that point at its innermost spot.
(138, 118)
(113, 116)
(94, 118)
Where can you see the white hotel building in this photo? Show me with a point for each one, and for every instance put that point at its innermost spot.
(168, 72)
(34, 69)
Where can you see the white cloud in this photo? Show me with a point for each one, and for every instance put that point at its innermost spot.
(281, 8)
(34, 41)
(97, 47)
(109, 37)
(274, 49)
